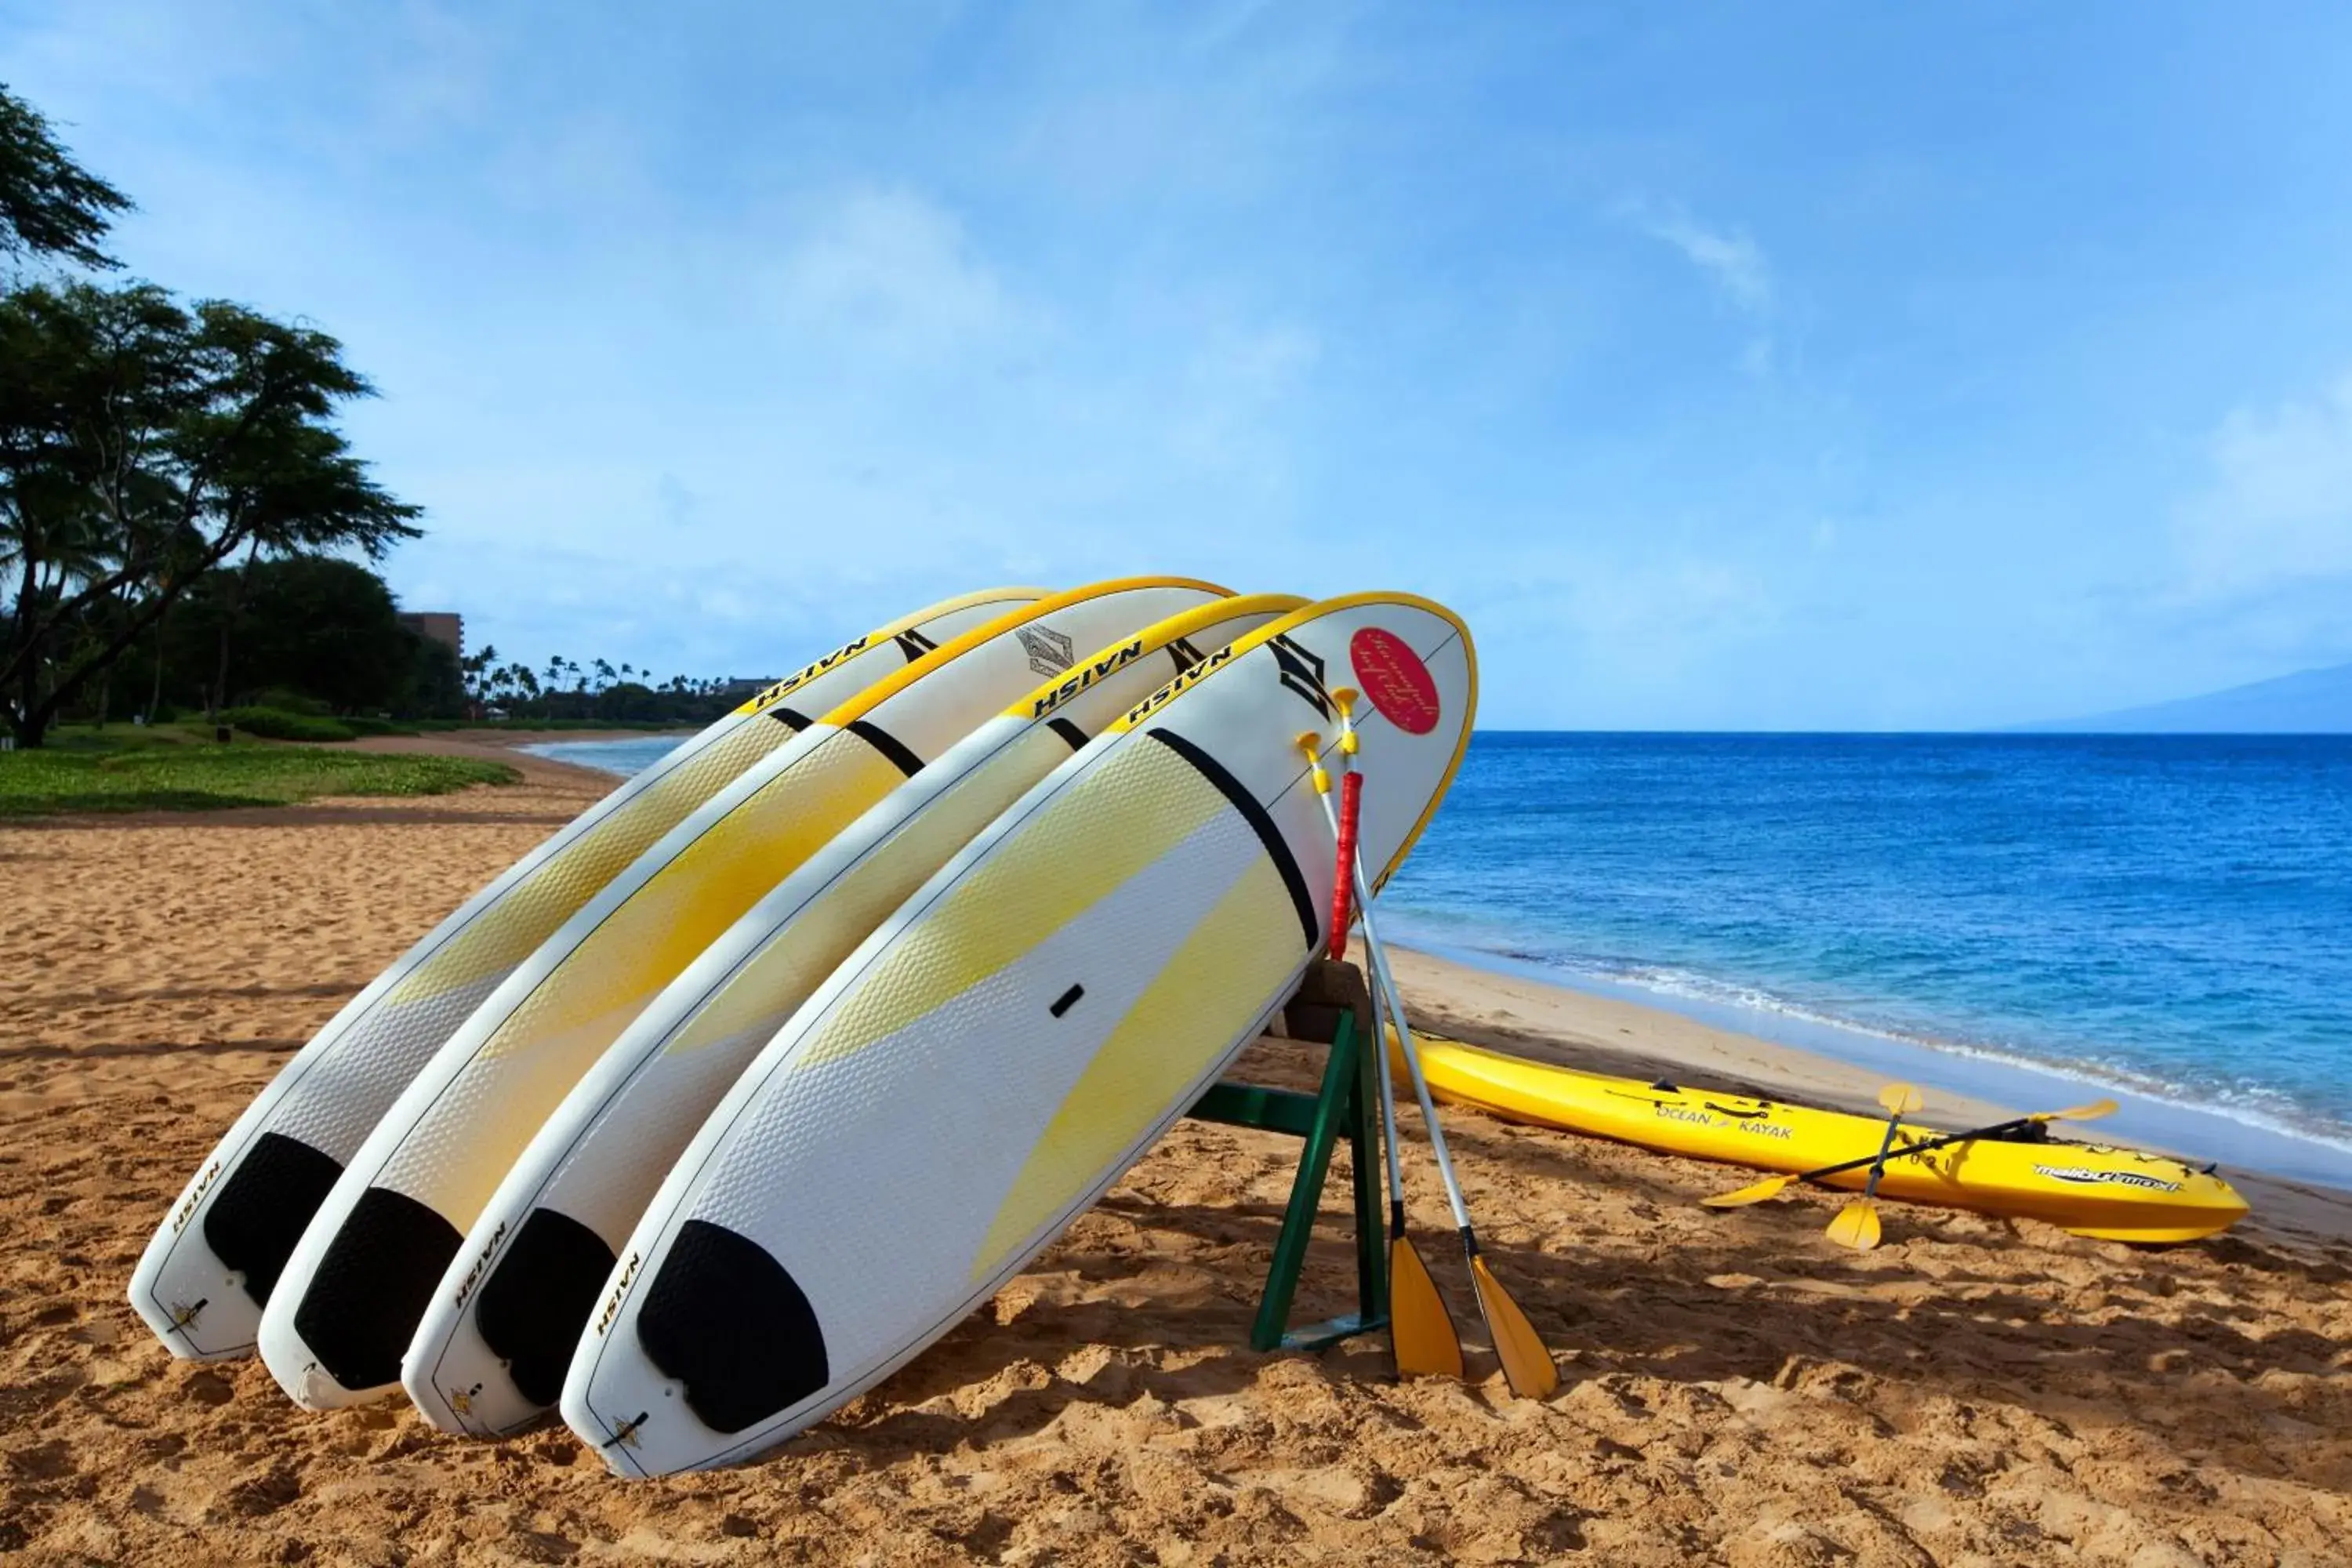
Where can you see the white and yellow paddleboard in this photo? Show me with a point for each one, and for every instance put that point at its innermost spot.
(491, 1353)
(360, 1279)
(211, 1267)
(1011, 1040)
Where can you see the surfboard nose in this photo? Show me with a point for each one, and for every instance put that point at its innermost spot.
(371, 1289)
(732, 1327)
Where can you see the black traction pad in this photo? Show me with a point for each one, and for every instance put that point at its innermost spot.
(372, 1287)
(536, 1302)
(726, 1320)
(261, 1211)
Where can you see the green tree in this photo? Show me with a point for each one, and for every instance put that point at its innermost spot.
(325, 627)
(50, 204)
(141, 446)
(435, 686)
(479, 672)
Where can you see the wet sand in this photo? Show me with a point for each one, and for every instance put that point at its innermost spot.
(1735, 1389)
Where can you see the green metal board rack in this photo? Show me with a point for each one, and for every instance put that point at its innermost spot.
(1344, 1107)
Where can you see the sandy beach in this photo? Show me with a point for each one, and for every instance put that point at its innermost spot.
(1735, 1390)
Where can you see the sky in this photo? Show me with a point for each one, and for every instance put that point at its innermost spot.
(1801, 366)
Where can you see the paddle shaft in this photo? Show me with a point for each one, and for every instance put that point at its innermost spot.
(1378, 952)
(1379, 1044)
(1878, 1162)
(1943, 1141)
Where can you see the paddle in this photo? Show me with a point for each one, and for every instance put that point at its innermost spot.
(1773, 1186)
(1856, 1225)
(1527, 1365)
(1526, 1362)
(1420, 1331)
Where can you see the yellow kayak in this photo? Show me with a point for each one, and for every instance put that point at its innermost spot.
(2117, 1195)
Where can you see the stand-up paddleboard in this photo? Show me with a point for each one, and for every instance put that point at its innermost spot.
(491, 1352)
(360, 1279)
(1011, 1040)
(210, 1269)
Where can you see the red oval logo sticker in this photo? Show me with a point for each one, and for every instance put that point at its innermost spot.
(1395, 679)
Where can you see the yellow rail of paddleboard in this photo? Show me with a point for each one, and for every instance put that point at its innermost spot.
(2121, 1195)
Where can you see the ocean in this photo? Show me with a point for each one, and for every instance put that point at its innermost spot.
(2165, 916)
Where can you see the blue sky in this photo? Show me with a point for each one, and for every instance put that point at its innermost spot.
(1789, 366)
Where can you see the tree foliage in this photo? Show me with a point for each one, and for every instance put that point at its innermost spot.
(50, 204)
(601, 690)
(325, 627)
(143, 445)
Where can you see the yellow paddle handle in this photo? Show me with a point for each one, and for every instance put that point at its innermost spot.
(1312, 744)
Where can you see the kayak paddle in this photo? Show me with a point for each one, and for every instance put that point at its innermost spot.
(1773, 1186)
(1856, 1225)
(1421, 1333)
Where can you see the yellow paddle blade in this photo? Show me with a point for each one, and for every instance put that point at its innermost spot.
(1769, 1187)
(2090, 1112)
(1856, 1226)
(1527, 1365)
(1899, 1098)
(1419, 1328)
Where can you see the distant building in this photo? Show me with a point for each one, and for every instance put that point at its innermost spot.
(742, 686)
(441, 625)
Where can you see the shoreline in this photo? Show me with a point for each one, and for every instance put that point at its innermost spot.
(1546, 1020)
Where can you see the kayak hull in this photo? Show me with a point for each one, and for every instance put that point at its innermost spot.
(2093, 1190)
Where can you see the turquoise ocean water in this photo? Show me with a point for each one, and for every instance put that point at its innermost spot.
(2169, 916)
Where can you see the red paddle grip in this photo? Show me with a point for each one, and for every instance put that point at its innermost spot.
(1343, 881)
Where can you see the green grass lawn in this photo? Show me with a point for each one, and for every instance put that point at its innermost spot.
(123, 769)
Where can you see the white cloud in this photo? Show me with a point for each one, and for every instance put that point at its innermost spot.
(1730, 259)
(2278, 510)
(888, 272)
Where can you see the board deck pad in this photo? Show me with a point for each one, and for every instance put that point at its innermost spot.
(1012, 1039)
(476, 1365)
(206, 1277)
(337, 1326)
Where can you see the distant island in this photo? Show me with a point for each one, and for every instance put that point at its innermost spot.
(2309, 702)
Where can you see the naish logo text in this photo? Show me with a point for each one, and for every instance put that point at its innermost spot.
(1094, 670)
(790, 683)
(188, 1208)
(473, 1275)
(620, 1289)
(2083, 1176)
(1182, 684)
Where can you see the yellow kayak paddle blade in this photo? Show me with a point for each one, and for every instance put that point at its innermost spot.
(1900, 1098)
(1856, 1226)
(1769, 1187)
(1421, 1330)
(1527, 1361)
